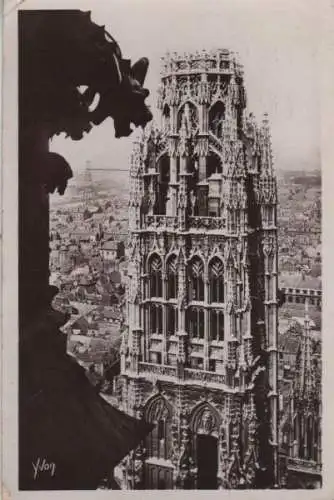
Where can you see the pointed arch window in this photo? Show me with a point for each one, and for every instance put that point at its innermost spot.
(158, 442)
(195, 279)
(172, 278)
(216, 325)
(195, 322)
(216, 118)
(189, 112)
(166, 118)
(216, 279)
(155, 274)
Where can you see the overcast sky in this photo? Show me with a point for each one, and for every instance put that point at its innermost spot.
(277, 41)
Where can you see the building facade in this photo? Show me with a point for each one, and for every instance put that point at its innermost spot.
(300, 427)
(199, 356)
(301, 295)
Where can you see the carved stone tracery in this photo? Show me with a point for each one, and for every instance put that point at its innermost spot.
(219, 178)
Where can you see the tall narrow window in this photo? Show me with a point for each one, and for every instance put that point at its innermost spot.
(316, 440)
(244, 436)
(216, 118)
(195, 279)
(301, 453)
(161, 429)
(158, 442)
(295, 428)
(166, 118)
(213, 325)
(189, 113)
(172, 323)
(172, 278)
(195, 322)
(164, 179)
(310, 438)
(155, 274)
(217, 325)
(161, 439)
(216, 278)
(212, 365)
(221, 326)
(155, 318)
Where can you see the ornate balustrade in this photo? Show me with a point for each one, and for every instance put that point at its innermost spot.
(207, 223)
(203, 376)
(190, 375)
(165, 222)
(157, 370)
(160, 222)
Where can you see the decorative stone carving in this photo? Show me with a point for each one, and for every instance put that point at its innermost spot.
(206, 223)
(205, 421)
(249, 469)
(195, 135)
(234, 473)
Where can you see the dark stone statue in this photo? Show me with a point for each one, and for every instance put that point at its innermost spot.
(69, 437)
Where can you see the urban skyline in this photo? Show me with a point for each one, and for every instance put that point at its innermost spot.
(178, 299)
(104, 246)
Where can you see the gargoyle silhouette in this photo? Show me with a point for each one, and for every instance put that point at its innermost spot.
(63, 52)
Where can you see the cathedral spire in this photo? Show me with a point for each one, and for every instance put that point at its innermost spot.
(267, 163)
(306, 355)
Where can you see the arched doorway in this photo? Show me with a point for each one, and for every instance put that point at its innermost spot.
(205, 430)
(207, 462)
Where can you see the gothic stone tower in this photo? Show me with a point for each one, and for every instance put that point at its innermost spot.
(199, 357)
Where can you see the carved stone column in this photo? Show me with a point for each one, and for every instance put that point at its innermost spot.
(164, 319)
(223, 455)
(182, 303)
(206, 335)
(173, 184)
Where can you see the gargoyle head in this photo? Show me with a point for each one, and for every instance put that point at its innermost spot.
(126, 102)
(63, 52)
